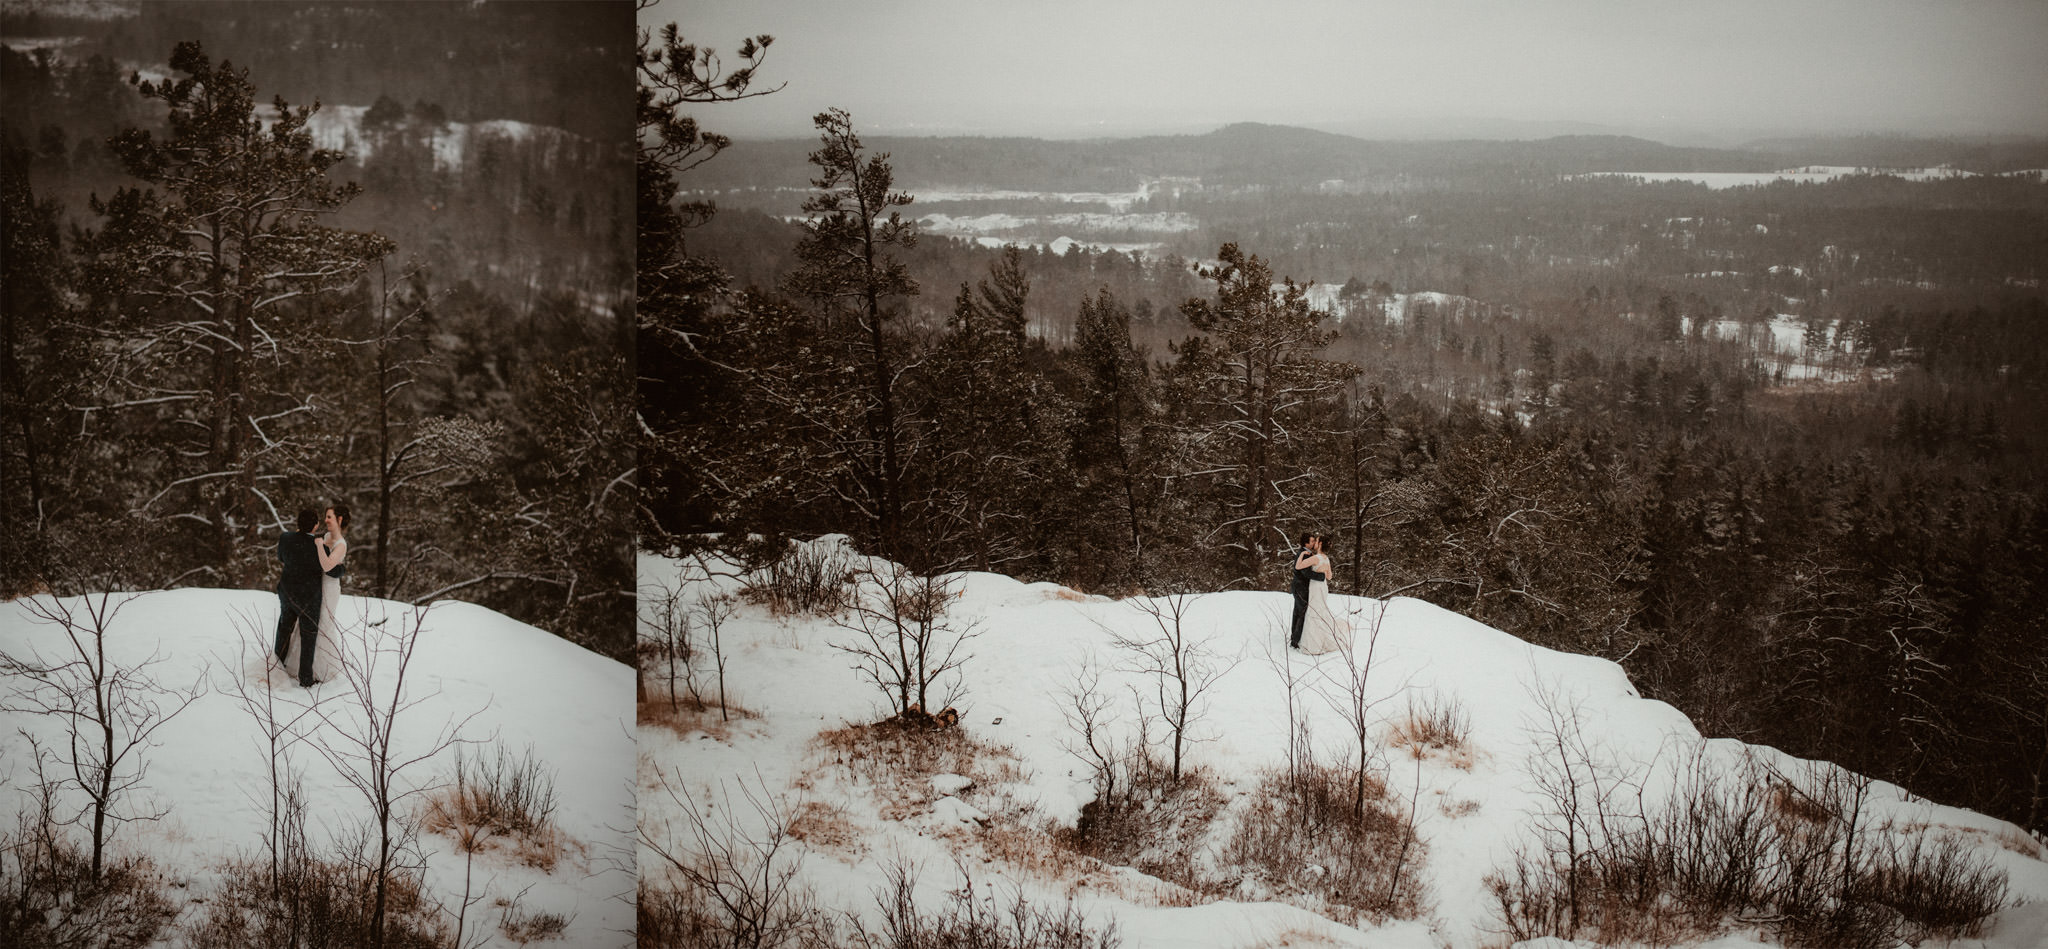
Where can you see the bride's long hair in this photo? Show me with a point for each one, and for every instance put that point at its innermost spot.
(340, 509)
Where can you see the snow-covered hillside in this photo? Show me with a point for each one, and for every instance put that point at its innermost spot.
(1474, 805)
(475, 675)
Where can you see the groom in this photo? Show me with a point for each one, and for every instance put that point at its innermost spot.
(1302, 576)
(298, 594)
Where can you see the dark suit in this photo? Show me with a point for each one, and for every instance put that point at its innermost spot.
(298, 598)
(1302, 577)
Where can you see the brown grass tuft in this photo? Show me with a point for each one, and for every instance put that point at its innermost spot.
(688, 716)
(826, 827)
(1438, 723)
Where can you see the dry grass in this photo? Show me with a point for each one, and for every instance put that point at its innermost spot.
(1152, 823)
(526, 928)
(1794, 807)
(689, 716)
(894, 761)
(1302, 838)
(829, 828)
(502, 802)
(896, 758)
(1456, 809)
(48, 897)
(1437, 724)
(320, 904)
(1290, 938)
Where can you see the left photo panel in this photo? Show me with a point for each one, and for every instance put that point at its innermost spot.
(316, 474)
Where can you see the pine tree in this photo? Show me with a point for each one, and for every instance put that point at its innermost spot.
(692, 364)
(1252, 374)
(850, 272)
(1113, 454)
(994, 447)
(217, 282)
(44, 363)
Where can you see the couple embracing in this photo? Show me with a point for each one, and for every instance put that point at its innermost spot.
(308, 591)
(1316, 629)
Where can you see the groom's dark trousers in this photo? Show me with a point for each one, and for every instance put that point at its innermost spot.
(298, 598)
(1302, 575)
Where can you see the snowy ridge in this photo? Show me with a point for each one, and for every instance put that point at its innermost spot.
(496, 678)
(1474, 809)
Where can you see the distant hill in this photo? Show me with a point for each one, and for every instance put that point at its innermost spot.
(1242, 154)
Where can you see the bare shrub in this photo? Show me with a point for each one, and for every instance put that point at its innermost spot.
(902, 640)
(1302, 836)
(812, 579)
(360, 739)
(969, 919)
(318, 902)
(666, 649)
(1143, 814)
(723, 878)
(52, 894)
(1357, 701)
(711, 614)
(1181, 666)
(1150, 821)
(1799, 853)
(109, 712)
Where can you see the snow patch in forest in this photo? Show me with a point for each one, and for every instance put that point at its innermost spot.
(1117, 201)
(998, 224)
(1395, 309)
(1475, 810)
(340, 127)
(29, 44)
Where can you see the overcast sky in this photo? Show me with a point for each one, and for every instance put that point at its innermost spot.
(1672, 70)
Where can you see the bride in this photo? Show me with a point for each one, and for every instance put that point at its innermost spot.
(1321, 632)
(333, 550)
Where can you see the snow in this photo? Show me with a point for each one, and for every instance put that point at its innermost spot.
(491, 676)
(1394, 309)
(1118, 201)
(340, 127)
(1474, 808)
(1168, 222)
(1810, 174)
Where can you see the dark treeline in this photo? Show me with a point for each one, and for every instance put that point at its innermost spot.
(218, 333)
(1848, 570)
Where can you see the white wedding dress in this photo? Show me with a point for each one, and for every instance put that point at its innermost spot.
(1321, 632)
(327, 649)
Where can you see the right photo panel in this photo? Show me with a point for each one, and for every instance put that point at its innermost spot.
(1146, 474)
